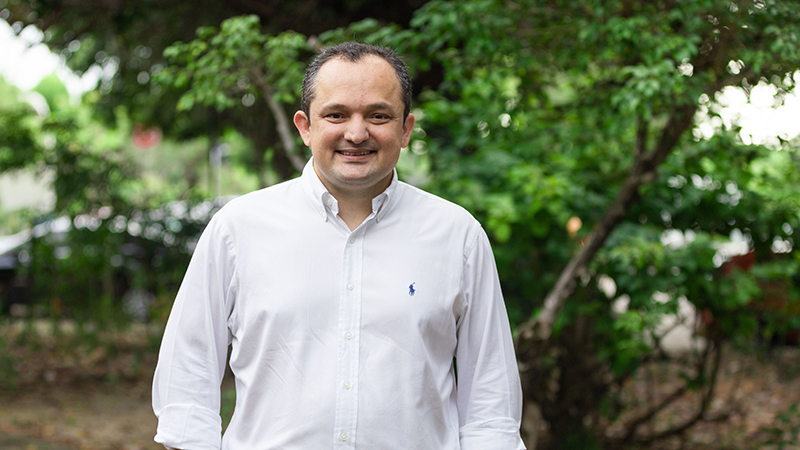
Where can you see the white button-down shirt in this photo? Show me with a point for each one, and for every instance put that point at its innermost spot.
(340, 339)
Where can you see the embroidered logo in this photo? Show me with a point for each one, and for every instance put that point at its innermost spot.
(411, 290)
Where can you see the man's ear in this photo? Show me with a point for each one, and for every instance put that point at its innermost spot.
(408, 127)
(303, 126)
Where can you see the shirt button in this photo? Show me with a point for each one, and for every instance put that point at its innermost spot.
(343, 437)
(347, 385)
(352, 239)
(324, 215)
(348, 336)
(351, 286)
(330, 201)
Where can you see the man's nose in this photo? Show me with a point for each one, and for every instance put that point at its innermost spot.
(356, 131)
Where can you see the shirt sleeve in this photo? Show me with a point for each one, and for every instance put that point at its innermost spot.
(489, 391)
(191, 362)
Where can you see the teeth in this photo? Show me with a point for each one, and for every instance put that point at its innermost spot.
(355, 154)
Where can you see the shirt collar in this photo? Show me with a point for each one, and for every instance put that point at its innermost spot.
(324, 202)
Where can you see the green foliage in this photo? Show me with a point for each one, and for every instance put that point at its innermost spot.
(85, 269)
(237, 59)
(17, 142)
(18, 126)
(86, 158)
(785, 433)
(116, 225)
(91, 170)
(53, 91)
(236, 64)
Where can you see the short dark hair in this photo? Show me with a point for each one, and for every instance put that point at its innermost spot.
(353, 52)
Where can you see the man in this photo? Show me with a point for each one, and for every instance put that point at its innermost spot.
(345, 295)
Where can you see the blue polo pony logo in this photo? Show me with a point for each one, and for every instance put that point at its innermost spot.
(411, 290)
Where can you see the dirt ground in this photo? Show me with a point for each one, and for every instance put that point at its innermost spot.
(754, 397)
(78, 388)
(81, 394)
(98, 417)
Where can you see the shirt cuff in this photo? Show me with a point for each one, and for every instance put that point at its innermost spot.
(186, 426)
(500, 436)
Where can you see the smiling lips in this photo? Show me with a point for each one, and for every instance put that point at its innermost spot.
(364, 153)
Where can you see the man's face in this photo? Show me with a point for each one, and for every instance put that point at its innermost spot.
(356, 128)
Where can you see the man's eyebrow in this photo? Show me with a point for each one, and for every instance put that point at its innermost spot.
(372, 107)
(379, 105)
(331, 106)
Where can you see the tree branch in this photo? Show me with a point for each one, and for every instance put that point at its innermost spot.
(700, 415)
(281, 121)
(642, 172)
(633, 425)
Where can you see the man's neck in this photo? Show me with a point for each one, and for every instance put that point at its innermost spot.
(354, 211)
(355, 204)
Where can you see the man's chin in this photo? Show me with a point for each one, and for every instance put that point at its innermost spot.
(364, 181)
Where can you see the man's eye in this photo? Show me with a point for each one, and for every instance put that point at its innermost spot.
(381, 117)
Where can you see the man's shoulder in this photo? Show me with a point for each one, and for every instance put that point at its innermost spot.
(270, 196)
(261, 205)
(415, 200)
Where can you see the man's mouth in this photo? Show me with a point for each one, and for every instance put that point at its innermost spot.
(367, 152)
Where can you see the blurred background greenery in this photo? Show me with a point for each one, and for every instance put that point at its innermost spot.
(608, 147)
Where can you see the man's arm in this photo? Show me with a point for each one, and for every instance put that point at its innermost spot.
(489, 392)
(191, 363)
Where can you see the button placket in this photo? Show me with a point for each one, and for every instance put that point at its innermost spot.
(348, 353)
